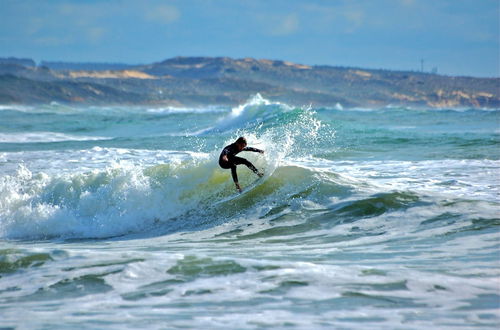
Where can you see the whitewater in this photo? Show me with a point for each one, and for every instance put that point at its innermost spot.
(120, 217)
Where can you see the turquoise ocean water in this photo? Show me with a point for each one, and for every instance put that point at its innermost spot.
(111, 217)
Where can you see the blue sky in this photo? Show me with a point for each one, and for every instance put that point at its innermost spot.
(458, 37)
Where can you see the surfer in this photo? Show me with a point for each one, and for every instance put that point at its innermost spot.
(228, 159)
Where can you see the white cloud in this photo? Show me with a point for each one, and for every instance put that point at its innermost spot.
(163, 14)
(287, 25)
(53, 41)
(342, 17)
(84, 11)
(355, 18)
(95, 34)
(33, 25)
(407, 2)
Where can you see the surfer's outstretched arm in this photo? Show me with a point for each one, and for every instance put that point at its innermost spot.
(253, 149)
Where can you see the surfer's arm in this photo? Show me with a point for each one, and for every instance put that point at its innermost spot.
(253, 149)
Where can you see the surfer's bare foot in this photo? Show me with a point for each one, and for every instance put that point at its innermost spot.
(260, 174)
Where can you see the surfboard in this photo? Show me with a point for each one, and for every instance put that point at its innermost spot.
(246, 189)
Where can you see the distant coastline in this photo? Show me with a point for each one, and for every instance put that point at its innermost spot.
(199, 81)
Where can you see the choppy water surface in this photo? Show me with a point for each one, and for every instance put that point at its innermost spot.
(111, 217)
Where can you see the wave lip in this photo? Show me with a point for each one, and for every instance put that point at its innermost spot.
(254, 112)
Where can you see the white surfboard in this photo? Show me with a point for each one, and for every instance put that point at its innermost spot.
(246, 189)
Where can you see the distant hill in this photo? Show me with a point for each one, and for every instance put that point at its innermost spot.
(15, 89)
(193, 81)
(85, 66)
(17, 61)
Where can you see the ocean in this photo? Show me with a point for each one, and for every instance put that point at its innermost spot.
(120, 217)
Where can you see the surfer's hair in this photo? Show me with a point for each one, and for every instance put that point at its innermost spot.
(241, 140)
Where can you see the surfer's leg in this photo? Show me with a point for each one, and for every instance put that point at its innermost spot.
(235, 178)
(243, 161)
(234, 174)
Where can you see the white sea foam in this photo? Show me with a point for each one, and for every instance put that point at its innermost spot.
(95, 158)
(16, 107)
(34, 137)
(183, 110)
(464, 178)
(409, 108)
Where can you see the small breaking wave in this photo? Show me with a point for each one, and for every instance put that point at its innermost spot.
(181, 110)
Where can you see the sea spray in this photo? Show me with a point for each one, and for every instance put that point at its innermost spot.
(281, 127)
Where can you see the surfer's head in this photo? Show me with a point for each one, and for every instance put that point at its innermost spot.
(241, 142)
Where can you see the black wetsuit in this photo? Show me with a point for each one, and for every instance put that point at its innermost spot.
(230, 151)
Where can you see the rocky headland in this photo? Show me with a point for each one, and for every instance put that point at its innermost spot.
(198, 81)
